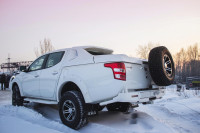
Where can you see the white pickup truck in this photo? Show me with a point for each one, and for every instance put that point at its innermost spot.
(83, 80)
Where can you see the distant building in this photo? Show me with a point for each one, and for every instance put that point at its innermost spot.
(13, 66)
(193, 82)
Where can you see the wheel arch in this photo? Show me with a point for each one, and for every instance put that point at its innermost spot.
(16, 80)
(15, 83)
(72, 85)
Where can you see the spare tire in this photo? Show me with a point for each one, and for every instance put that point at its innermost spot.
(161, 66)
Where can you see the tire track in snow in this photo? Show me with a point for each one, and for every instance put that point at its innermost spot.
(187, 107)
(172, 119)
(51, 113)
(109, 122)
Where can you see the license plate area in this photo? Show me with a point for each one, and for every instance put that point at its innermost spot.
(148, 94)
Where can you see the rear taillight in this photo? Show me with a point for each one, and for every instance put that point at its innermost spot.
(119, 70)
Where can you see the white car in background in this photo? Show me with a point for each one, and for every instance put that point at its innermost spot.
(83, 80)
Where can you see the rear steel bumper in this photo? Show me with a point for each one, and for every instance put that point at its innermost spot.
(137, 96)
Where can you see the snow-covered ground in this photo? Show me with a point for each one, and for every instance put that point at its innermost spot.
(176, 112)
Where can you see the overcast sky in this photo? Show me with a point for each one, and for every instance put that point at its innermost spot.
(121, 25)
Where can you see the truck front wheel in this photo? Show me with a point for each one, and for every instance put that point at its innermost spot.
(72, 110)
(17, 100)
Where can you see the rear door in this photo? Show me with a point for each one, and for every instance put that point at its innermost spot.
(50, 75)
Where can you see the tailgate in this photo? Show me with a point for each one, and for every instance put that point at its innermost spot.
(137, 70)
(137, 76)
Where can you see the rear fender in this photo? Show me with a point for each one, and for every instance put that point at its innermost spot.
(65, 77)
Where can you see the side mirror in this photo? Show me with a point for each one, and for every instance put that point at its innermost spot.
(22, 69)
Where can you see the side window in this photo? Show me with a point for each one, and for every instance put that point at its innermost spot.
(54, 59)
(37, 64)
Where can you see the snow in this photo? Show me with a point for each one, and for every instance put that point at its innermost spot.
(176, 112)
(179, 113)
(7, 127)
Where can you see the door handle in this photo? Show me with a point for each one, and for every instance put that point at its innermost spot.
(36, 76)
(54, 73)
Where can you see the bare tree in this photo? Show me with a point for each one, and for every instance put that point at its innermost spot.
(187, 62)
(178, 63)
(45, 46)
(143, 50)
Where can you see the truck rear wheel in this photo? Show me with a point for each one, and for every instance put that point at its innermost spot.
(122, 107)
(161, 66)
(72, 110)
